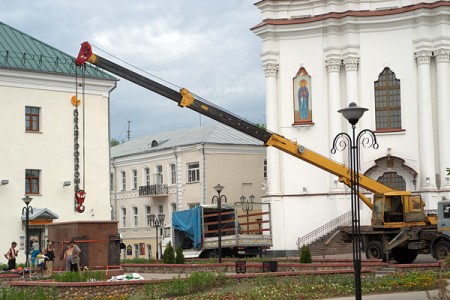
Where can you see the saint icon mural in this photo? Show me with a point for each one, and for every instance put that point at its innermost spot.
(302, 97)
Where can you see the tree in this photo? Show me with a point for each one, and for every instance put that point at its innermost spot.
(114, 142)
(169, 254)
(305, 255)
(180, 256)
(448, 171)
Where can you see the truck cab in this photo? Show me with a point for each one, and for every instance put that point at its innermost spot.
(399, 209)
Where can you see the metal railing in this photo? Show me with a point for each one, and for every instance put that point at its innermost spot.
(323, 230)
(153, 190)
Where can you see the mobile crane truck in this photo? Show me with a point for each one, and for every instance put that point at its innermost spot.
(400, 228)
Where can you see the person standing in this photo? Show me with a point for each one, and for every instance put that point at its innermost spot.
(49, 252)
(11, 256)
(35, 250)
(72, 257)
(75, 263)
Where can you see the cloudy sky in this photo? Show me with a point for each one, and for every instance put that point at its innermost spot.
(203, 45)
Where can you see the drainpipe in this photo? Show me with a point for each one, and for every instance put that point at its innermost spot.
(113, 199)
(178, 183)
(203, 174)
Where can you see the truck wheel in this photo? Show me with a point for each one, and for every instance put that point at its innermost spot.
(442, 250)
(374, 250)
(213, 254)
(404, 255)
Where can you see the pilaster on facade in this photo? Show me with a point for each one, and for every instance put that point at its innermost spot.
(442, 57)
(351, 81)
(425, 113)
(272, 118)
(333, 66)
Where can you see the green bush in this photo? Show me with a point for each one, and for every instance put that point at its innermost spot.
(169, 254)
(180, 256)
(305, 255)
(137, 261)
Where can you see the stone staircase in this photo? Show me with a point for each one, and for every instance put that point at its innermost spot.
(317, 238)
(318, 248)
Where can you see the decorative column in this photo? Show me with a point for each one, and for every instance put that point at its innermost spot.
(426, 136)
(273, 155)
(443, 98)
(351, 82)
(351, 76)
(334, 104)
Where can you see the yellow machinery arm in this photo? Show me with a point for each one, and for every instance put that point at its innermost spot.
(185, 99)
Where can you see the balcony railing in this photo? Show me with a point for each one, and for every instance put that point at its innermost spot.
(154, 190)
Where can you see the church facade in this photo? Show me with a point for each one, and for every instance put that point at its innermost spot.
(391, 57)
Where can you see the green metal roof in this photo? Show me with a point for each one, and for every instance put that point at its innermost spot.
(21, 51)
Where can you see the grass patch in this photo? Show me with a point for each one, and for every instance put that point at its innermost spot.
(80, 276)
(205, 285)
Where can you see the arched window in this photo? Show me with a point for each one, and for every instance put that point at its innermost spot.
(387, 101)
(147, 176)
(159, 174)
(393, 180)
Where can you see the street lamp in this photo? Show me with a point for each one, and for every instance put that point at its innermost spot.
(26, 211)
(218, 199)
(156, 223)
(343, 140)
(247, 205)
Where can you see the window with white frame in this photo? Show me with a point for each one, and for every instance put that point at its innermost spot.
(147, 176)
(124, 180)
(161, 209)
(135, 217)
(124, 217)
(159, 174)
(135, 179)
(148, 212)
(194, 172)
(173, 174)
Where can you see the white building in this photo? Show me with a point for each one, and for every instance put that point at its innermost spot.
(40, 157)
(178, 170)
(389, 56)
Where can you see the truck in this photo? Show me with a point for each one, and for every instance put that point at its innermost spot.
(400, 227)
(197, 231)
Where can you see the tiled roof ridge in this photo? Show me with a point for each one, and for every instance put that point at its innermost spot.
(21, 51)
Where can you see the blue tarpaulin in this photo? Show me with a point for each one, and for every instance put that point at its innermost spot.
(189, 221)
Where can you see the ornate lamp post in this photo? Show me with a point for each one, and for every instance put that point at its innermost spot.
(343, 140)
(218, 199)
(26, 211)
(247, 205)
(155, 222)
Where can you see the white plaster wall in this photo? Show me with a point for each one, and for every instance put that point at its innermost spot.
(378, 42)
(51, 149)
